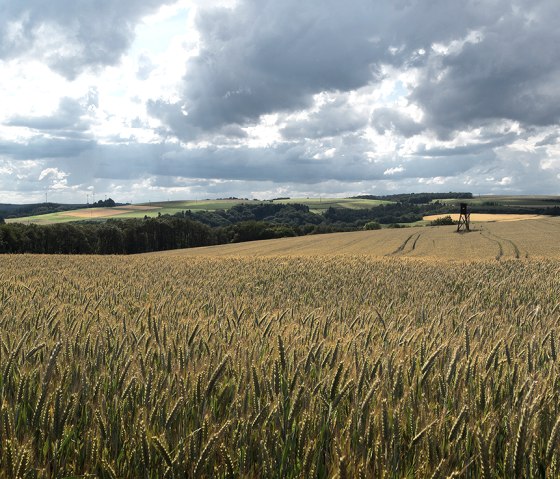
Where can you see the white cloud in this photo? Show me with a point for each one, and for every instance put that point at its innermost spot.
(57, 180)
(160, 98)
(393, 171)
(505, 181)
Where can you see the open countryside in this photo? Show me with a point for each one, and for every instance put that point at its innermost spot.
(246, 239)
(336, 355)
(485, 217)
(487, 240)
(316, 205)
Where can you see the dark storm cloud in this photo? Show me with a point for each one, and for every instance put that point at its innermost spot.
(270, 56)
(39, 148)
(264, 57)
(469, 149)
(550, 139)
(71, 35)
(284, 163)
(419, 167)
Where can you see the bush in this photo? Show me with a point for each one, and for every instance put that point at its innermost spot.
(372, 225)
(443, 221)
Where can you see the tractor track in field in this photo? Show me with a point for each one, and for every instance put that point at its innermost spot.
(516, 250)
(401, 248)
(514, 246)
(416, 241)
(497, 242)
(500, 239)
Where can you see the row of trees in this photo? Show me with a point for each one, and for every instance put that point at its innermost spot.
(298, 216)
(111, 237)
(138, 235)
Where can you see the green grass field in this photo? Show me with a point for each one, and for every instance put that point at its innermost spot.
(319, 205)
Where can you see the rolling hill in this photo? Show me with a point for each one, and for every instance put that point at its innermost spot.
(316, 205)
(500, 239)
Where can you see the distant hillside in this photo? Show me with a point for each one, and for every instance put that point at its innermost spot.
(8, 210)
(418, 198)
(53, 213)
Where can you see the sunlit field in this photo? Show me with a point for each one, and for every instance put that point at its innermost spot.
(299, 364)
(535, 237)
(483, 217)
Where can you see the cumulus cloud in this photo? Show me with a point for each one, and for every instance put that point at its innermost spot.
(264, 57)
(70, 117)
(57, 179)
(334, 117)
(287, 97)
(390, 119)
(509, 73)
(269, 56)
(393, 171)
(71, 35)
(550, 139)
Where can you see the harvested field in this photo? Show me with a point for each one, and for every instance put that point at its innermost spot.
(98, 213)
(95, 212)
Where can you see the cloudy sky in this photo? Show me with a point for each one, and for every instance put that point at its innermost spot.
(146, 100)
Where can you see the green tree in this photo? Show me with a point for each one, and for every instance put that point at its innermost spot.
(372, 225)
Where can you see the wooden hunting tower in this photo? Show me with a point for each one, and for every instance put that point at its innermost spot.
(464, 218)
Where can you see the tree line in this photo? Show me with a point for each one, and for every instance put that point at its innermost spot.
(110, 237)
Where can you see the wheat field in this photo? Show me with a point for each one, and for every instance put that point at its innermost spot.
(521, 239)
(331, 366)
(307, 366)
